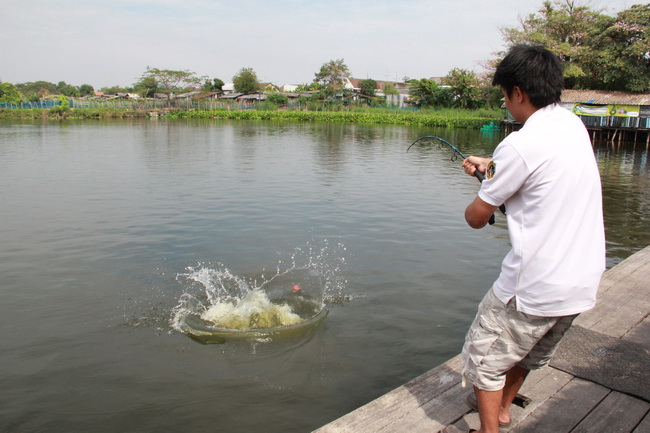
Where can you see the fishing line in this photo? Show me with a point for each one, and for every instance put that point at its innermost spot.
(455, 153)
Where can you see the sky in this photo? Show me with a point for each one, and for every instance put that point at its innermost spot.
(112, 42)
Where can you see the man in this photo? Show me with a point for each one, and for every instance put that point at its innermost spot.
(547, 177)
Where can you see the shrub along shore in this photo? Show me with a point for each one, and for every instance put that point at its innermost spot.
(444, 118)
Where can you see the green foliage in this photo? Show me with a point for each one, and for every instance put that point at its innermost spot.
(464, 88)
(277, 99)
(216, 85)
(58, 112)
(427, 93)
(63, 109)
(368, 87)
(34, 97)
(169, 81)
(246, 81)
(65, 102)
(390, 89)
(147, 87)
(378, 101)
(309, 87)
(62, 88)
(623, 49)
(34, 91)
(116, 89)
(448, 118)
(86, 90)
(332, 76)
(10, 93)
(599, 51)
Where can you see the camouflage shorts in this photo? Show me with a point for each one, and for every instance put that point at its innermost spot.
(502, 337)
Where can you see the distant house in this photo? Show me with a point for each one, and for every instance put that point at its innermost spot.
(208, 95)
(290, 87)
(269, 87)
(228, 88)
(230, 96)
(607, 114)
(188, 95)
(607, 103)
(395, 100)
(610, 111)
(124, 95)
(251, 98)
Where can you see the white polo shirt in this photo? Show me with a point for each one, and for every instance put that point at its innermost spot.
(546, 174)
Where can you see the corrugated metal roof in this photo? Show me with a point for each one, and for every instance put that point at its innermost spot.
(605, 97)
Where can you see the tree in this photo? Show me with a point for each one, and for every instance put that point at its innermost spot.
(66, 89)
(147, 87)
(169, 81)
(427, 93)
(215, 86)
(277, 98)
(390, 89)
(623, 52)
(86, 90)
(10, 93)
(332, 76)
(246, 81)
(598, 51)
(464, 87)
(35, 91)
(368, 87)
(116, 89)
(307, 87)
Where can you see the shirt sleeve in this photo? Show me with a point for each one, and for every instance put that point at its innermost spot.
(508, 173)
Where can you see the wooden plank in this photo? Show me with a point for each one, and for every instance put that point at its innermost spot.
(540, 386)
(624, 309)
(564, 410)
(640, 334)
(433, 415)
(616, 413)
(400, 402)
(644, 426)
(620, 307)
(538, 380)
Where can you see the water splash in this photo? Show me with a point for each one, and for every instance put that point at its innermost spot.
(296, 292)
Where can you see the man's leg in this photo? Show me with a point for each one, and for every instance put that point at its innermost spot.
(514, 379)
(494, 406)
(489, 403)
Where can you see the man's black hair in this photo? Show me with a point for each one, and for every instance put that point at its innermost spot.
(536, 71)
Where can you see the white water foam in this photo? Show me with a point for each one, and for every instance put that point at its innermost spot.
(298, 289)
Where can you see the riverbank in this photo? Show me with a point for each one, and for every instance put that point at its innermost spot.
(441, 118)
(58, 113)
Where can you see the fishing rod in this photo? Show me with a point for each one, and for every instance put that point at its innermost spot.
(455, 153)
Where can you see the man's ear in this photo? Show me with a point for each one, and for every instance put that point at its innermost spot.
(518, 94)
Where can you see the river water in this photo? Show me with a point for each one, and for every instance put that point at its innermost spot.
(106, 227)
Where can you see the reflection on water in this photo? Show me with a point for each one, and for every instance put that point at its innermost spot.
(110, 229)
(626, 195)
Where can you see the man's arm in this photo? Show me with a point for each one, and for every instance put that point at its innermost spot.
(478, 213)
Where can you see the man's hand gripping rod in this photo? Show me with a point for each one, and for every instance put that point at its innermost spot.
(455, 154)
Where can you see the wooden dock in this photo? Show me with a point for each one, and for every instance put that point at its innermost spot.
(560, 402)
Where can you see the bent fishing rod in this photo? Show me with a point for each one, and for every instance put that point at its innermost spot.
(455, 153)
